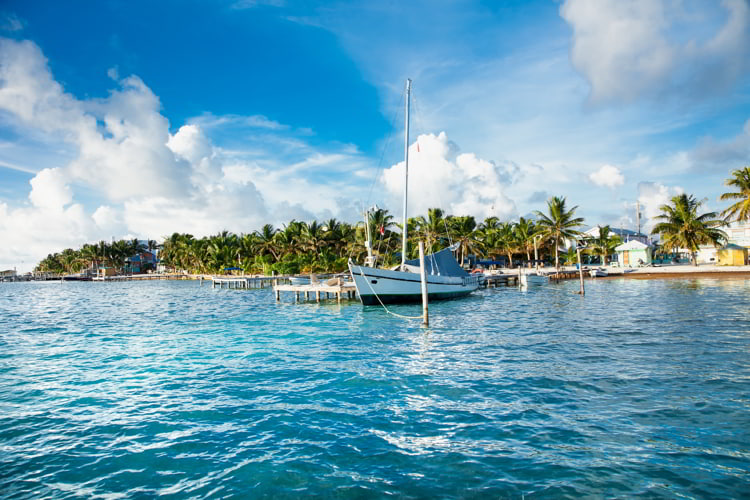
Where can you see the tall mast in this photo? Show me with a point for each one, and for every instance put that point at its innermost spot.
(406, 171)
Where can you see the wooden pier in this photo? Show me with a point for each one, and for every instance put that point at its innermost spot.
(141, 277)
(494, 280)
(346, 289)
(243, 281)
(567, 275)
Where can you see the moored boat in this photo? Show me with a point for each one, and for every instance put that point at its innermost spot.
(598, 272)
(533, 278)
(445, 278)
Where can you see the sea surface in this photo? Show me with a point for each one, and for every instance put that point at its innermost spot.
(176, 390)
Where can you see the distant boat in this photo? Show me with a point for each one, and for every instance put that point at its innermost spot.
(446, 279)
(299, 280)
(76, 277)
(598, 272)
(533, 279)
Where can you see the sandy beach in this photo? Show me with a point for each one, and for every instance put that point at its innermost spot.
(677, 271)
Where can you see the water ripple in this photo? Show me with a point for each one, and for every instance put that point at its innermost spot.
(121, 390)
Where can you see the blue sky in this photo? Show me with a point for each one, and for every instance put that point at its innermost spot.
(138, 119)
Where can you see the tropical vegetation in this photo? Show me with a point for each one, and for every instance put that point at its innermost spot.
(559, 224)
(604, 244)
(318, 247)
(311, 247)
(740, 209)
(682, 227)
(102, 254)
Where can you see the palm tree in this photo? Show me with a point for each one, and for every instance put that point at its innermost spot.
(570, 256)
(559, 225)
(332, 234)
(265, 241)
(507, 240)
(466, 237)
(604, 244)
(312, 237)
(119, 251)
(104, 253)
(682, 227)
(524, 230)
(89, 255)
(489, 223)
(740, 210)
(429, 229)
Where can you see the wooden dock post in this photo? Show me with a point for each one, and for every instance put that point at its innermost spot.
(425, 314)
(519, 277)
(580, 269)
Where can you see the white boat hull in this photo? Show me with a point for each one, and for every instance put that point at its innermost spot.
(376, 286)
(533, 279)
(598, 273)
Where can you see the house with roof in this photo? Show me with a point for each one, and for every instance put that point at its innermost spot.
(140, 263)
(732, 255)
(624, 234)
(634, 253)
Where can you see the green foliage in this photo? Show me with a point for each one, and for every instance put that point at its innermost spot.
(91, 256)
(305, 247)
(740, 210)
(604, 245)
(558, 224)
(570, 256)
(682, 227)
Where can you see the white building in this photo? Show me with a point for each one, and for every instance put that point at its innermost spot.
(739, 233)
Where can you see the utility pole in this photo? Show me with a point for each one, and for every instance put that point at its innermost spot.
(638, 216)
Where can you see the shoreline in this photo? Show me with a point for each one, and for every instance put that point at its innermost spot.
(682, 271)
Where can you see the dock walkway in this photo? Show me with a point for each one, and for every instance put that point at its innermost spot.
(243, 281)
(318, 289)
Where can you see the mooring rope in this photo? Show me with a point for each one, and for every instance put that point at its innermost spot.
(381, 302)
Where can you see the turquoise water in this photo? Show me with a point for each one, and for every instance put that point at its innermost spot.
(133, 390)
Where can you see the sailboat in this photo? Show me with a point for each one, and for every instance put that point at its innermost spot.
(446, 279)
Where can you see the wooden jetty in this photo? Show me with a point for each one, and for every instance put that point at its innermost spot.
(566, 275)
(342, 288)
(243, 281)
(494, 280)
(142, 277)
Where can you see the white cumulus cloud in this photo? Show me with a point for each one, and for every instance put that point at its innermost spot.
(49, 189)
(460, 184)
(651, 196)
(607, 176)
(144, 181)
(630, 48)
